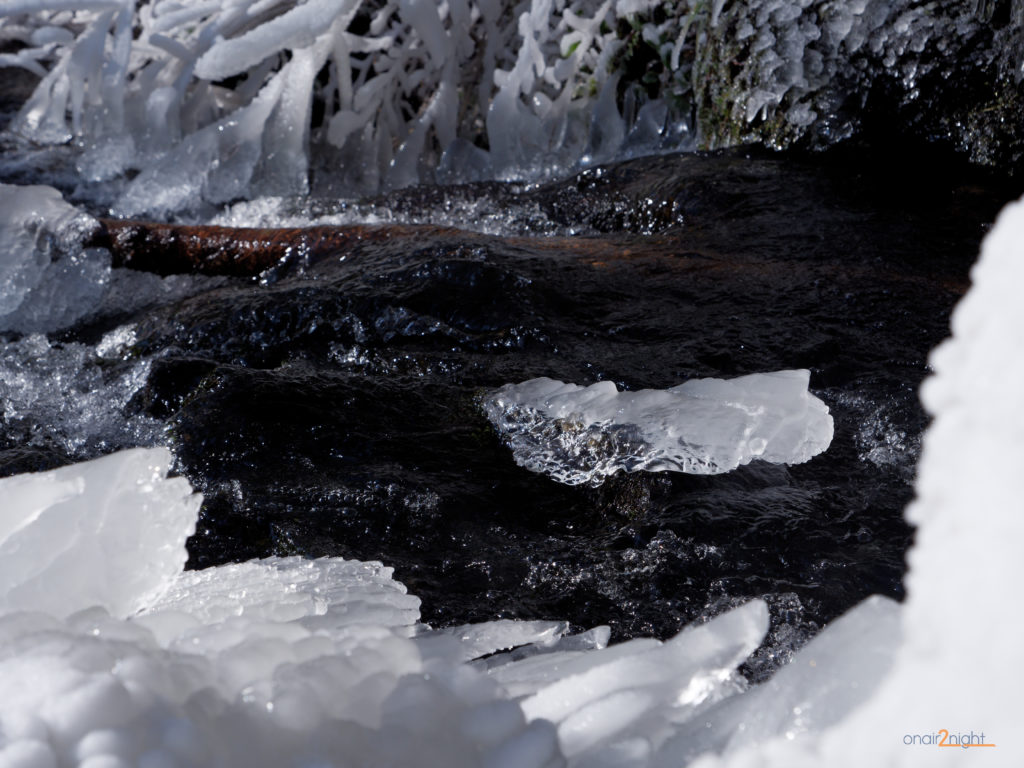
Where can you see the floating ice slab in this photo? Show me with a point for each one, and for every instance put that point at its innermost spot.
(581, 435)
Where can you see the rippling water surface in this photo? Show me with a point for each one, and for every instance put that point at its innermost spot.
(331, 406)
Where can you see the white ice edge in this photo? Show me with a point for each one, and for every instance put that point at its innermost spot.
(581, 435)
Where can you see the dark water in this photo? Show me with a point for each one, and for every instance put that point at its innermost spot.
(331, 409)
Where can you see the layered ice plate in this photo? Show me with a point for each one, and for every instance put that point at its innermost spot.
(581, 435)
(112, 655)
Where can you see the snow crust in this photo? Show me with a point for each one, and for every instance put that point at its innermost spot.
(581, 435)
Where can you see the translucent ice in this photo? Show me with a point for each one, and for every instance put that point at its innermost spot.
(581, 435)
(47, 280)
(107, 533)
(826, 680)
(638, 690)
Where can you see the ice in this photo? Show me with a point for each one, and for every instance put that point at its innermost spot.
(111, 654)
(47, 280)
(142, 87)
(486, 638)
(108, 533)
(565, 647)
(327, 595)
(256, 664)
(133, 86)
(581, 435)
(640, 693)
(954, 669)
(295, 28)
(826, 680)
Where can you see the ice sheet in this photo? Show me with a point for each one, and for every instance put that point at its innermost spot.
(109, 533)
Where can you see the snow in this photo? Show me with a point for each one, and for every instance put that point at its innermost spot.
(581, 435)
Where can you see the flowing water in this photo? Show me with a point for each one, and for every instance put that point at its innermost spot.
(330, 405)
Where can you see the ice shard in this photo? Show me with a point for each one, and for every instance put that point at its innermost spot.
(581, 435)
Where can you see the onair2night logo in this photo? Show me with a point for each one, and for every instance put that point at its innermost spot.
(944, 738)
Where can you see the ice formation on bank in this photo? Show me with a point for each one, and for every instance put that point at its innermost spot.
(110, 654)
(581, 435)
(47, 279)
(955, 668)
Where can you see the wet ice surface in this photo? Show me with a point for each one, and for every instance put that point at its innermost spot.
(72, 397)
(581, 435)
(333, 408)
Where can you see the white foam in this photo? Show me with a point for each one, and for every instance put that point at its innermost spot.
(581, 435)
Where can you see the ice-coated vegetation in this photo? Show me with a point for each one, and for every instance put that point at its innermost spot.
(581, 435)
(170, 104)
(216, 100)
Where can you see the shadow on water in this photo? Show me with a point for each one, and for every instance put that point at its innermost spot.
(332, 410)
